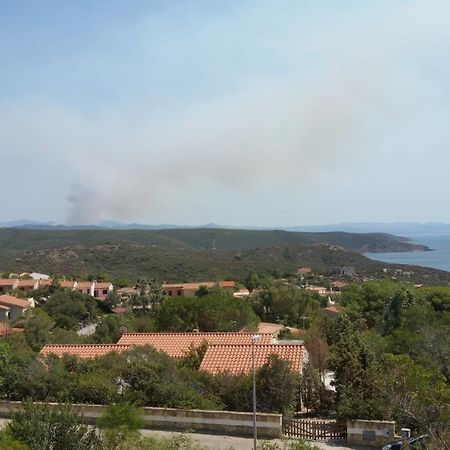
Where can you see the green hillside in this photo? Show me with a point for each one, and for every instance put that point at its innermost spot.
(193, 254)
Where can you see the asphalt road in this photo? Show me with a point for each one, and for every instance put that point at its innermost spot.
(216, 442)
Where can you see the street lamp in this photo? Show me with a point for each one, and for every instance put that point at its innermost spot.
(255, 338)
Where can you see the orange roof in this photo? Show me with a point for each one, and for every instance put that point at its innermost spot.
(102, 285)
(190, 286)
(28, 283)
(5, 308)
(332, 309)
(9, 300)
(177, 344)
(8, 281)
(83, 351)
(84, 284)
(237, 359)
(66, 283)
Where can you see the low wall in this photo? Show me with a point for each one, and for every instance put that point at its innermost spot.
(220, 422)
(373, 433)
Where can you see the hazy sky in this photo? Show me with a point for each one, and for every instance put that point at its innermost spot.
(235, 112)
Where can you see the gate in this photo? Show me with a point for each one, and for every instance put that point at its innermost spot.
(315, 429)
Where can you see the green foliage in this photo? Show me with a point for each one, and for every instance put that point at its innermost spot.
(313, 393)
(40, 426)
(121, 423)
(353, 364)
(7, 442)
(194, 356)
(415, 396)
(285, 303)
(209, 313)
(37, 328)
(287, 445)
(277, 386)
(69, 308)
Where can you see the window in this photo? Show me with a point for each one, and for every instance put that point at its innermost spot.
(170, 293)
(179, 293)
(105, 291)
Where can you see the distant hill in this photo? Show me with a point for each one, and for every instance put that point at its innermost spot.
(395, 228)
(194, 254)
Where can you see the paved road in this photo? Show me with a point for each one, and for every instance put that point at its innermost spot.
(216, 442)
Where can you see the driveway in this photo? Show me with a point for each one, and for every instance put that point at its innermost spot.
(217, 442)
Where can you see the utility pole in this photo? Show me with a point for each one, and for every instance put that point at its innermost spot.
(254, 338)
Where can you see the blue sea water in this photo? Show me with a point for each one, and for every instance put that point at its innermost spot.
(439, 258)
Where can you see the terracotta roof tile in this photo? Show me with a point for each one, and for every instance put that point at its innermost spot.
(66, 283)
(237, 359)
(8, 281)
(177, 344)
(9, 300)
(28, 283)
(83, 351)
(84, 284)
(102, 285)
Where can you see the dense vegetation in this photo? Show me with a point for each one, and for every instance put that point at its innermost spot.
(389, 351)
(186, 255)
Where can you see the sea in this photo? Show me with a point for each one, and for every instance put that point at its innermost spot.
(438, 258)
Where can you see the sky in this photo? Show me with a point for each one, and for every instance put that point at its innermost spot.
(263, 113)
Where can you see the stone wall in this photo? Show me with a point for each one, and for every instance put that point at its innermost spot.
(220, 422)
(373, 433)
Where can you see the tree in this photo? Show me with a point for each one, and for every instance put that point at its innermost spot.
(354, 368)
(121, 423)
(312, 391)
(277, 387)
(415, 396)
(37, 328)
(40, 426)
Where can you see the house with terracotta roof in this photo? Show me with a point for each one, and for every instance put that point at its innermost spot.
(85, 287)
(331, 310)
(189, 289)
(8, 284)
(68, 284)
(28, 285)
(177, 345)
(237, 359)
(12, 307)
(101, 290)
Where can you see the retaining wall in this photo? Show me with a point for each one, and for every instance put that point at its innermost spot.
(220, 422)
(373, 433)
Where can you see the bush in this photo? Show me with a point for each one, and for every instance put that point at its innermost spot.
(40, 426)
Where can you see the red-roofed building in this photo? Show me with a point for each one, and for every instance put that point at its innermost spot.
(177, 344)
(237, 359)
(28, 285)
(189, 289)
(101, 290)
(85, 287)
(8, 284)
(12, 307)
(82, 351)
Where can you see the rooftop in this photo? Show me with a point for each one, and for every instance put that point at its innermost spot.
(177, 344)
(8, 281)
(237, 359)
(9, 300)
